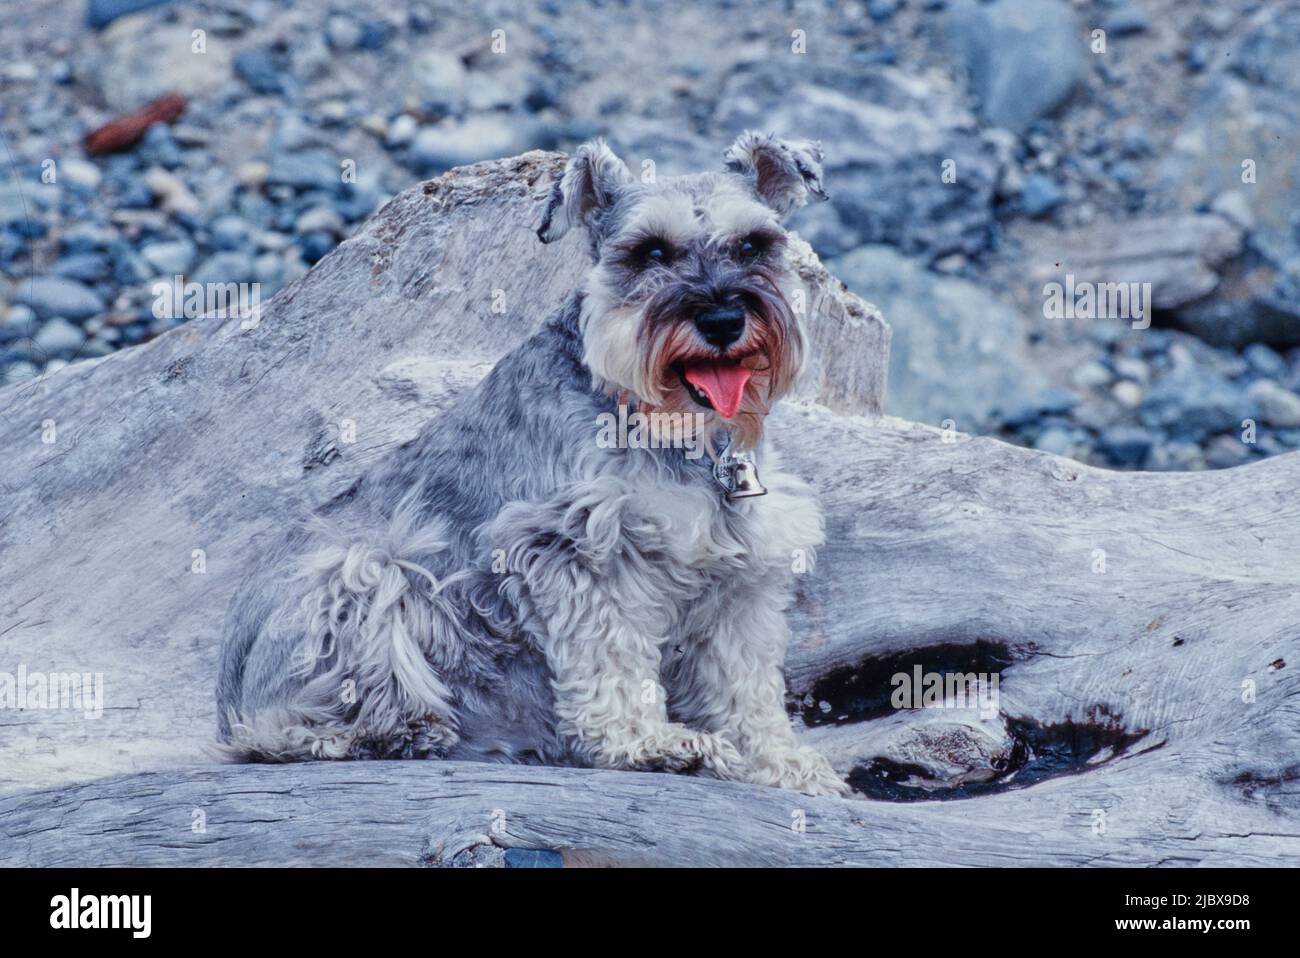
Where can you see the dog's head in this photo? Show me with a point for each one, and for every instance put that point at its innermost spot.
(687, 308)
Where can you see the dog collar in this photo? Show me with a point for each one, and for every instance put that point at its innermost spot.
(737, 473)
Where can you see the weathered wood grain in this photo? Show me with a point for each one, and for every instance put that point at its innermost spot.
(413, 814)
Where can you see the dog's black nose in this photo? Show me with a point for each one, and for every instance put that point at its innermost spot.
(721, 325)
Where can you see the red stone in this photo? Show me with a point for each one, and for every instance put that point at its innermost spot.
(125, 132)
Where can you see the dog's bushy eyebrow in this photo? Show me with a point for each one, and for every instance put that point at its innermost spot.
(647, 233)
(767, 236)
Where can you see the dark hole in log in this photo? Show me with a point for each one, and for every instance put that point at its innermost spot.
(863, 691)
(1040, 752)
(1279, 791)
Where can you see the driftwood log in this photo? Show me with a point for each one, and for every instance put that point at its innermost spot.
(1143, 627)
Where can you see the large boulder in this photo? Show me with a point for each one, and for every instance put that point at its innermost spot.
(1238, 145)
(957, 352)
(906, 163)
(1183, 256)
(1024, 57)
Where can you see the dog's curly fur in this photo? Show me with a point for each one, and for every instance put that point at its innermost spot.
(506, 588)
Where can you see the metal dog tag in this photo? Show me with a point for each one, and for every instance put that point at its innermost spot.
(738, 474)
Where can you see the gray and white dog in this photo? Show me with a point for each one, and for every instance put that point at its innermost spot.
(597, 605)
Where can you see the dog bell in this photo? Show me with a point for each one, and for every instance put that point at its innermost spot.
(739, 475)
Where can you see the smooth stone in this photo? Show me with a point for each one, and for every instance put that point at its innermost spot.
(51, 296)
(1055, 440)
(229, 232)
(1125, 445)
(225, 267)
(173, 258)
(1040, 195)
(1192, 402)
(1277, 406)
(80, 172)
(58, 336)
(319, 219)
(84, 267)
(343, 32)
(1265, 360)
(1025, 57)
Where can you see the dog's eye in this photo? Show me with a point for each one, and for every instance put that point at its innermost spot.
(752, 246)
(653, 252)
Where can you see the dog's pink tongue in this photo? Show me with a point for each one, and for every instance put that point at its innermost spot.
(723, 383)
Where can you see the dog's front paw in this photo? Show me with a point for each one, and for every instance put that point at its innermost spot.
(802, 769)
(676, 748)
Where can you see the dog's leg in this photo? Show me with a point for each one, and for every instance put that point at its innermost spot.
(729, 679)
(608, 696)
(587, 578)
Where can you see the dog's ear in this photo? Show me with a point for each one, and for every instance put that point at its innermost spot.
(591, 179)
(782, 172)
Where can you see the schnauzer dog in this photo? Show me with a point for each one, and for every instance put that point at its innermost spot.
(508, 589)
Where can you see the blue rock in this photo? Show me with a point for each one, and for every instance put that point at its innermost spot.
(374, 34)
(1040, 195)
(283, 218)
(10, 246)
(1135, 142)
(881, 10)
(480, 137)
(135, 195)
(1057, 402)
(226, 267)
(128, 266)
(1125, 173)
(160, 147)
(1018, 415)
(50, 296)
(1055, 440)
(1024, 57)
(265, 71)
(315, 245)
(1125, 21)
(100, 13)
(86, 267)
(306, 170)
(28, 229)
(21, 318)
(1193, 402)
(357, 202)
(57, 337)
(83, 239)
(269, 270)
(1125, 445)
(170, 258)
(229, 232)
(343, 32)
(533, 858)
(1265, 360)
